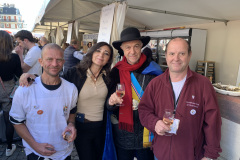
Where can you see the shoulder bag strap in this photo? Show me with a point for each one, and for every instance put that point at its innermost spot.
(2, 84)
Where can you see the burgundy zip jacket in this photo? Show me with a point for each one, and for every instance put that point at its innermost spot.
(199, 131)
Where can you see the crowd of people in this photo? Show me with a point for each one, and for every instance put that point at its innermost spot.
(53, 110)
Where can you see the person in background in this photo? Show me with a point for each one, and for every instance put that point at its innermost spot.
(44, 113)
(65, 45)
(89, 45)
(72, 56)
(92, 79)
(30, 63)
(36, 40)
(133, 71)
(193, 99)
(10, 66)
(43, 41)
(94, 42)
(148, 52)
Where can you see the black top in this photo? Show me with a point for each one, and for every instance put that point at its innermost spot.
(11, 68)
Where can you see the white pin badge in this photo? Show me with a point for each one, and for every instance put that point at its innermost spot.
(193, 112)
(36, 107)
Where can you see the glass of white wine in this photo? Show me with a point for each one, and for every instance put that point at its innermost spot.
(120, 90)
(168, 119)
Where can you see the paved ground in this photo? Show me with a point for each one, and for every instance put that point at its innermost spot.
(19, 154)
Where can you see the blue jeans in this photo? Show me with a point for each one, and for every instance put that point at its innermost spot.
(141, 154)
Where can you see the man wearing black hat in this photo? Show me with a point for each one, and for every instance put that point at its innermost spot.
(135, 71)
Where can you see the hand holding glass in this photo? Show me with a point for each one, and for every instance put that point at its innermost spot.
(168, 119)
(120, 91)
(67, 136)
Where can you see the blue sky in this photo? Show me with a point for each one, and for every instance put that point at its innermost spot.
(29, 9)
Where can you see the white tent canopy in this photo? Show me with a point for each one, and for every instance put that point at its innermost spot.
(150, 14)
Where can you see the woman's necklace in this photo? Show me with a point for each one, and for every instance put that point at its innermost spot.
(95, 77)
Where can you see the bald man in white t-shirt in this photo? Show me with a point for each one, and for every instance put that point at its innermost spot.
(44, 112)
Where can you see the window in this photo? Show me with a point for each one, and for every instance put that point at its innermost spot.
(19, 25)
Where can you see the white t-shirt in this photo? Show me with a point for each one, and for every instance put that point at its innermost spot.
(31, 59)
(45, 113)
(177, 88)
(79, 55)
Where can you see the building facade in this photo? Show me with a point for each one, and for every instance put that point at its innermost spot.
(10, 17)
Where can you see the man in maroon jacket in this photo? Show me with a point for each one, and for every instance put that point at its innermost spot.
(193, 99)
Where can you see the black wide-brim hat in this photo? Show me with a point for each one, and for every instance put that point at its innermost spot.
(130, 34)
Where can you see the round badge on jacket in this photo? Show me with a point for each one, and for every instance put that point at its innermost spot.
(193, 112)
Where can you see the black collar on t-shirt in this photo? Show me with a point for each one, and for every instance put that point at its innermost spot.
(52, 87)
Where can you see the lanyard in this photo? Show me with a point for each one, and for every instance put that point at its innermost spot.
(174, 98)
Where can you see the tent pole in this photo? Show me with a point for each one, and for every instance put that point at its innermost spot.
(164, 12)
(83, 16)
(178, 14)
(72, 10)
(88, 14)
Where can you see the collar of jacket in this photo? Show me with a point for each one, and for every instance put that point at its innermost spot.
(166, 76)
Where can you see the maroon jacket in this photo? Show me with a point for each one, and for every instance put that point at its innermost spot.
(198, 134)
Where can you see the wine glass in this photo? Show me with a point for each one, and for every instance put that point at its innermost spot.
(67, 136)
(168, 118)
(120, 90)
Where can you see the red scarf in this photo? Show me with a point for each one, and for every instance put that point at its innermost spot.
(126, 112)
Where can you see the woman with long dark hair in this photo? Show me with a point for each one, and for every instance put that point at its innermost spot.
(89, 45)
(10, 66)
(91, 77)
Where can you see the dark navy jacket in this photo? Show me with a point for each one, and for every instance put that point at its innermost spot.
(70, 60)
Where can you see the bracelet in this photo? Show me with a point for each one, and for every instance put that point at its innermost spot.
(35, 75)
(71, 122)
